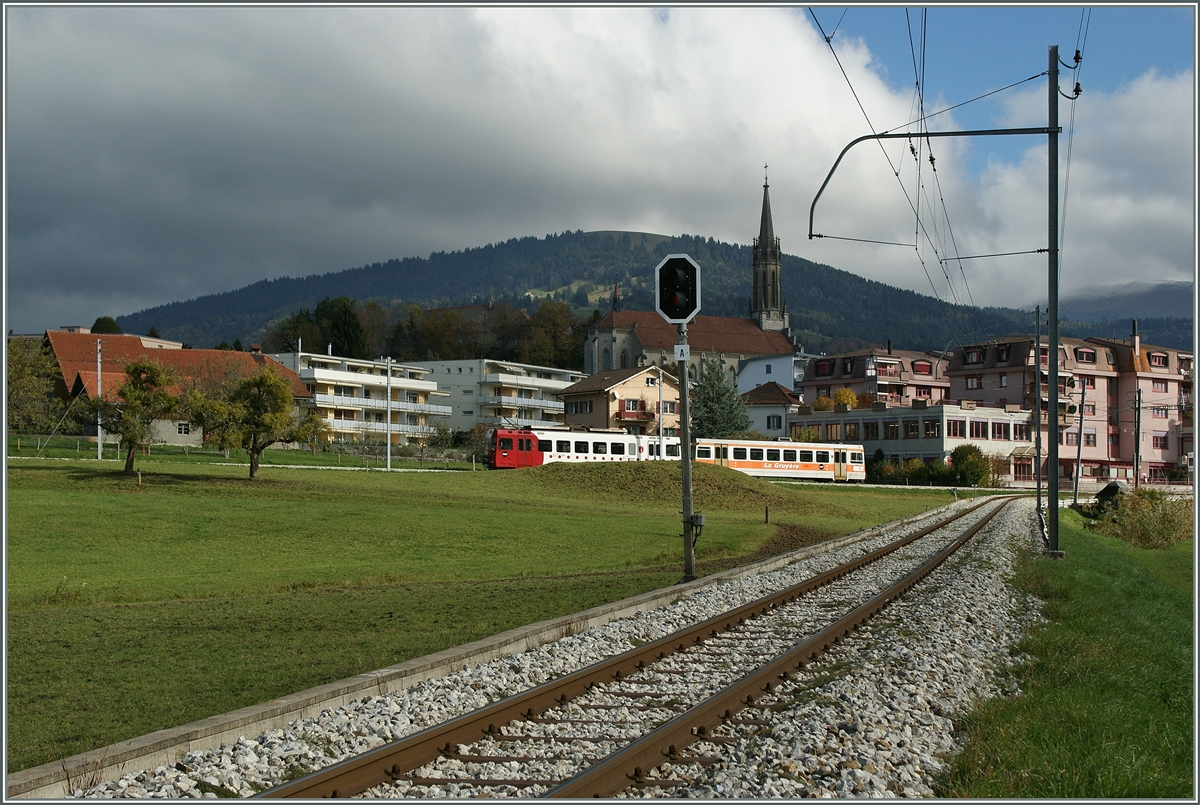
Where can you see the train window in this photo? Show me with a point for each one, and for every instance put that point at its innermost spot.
(856, 458)
(724, 452)
(756, 454)
(563, 446)
(789, 455)
(739, 454)
(505, 443)
(580, 447)
(772, 455)
(618, 448)
(632, 448)
(806, 456)
(822, 456)
(544, 446)
(673, 450)
(599, 447)
(703, 452)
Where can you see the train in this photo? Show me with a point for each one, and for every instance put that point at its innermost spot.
(514, 448)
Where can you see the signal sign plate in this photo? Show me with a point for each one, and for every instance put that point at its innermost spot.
(683, 352)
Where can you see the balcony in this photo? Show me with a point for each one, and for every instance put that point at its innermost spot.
(635, 416)
(522, 402)
(516, 422)
(360, 403)
(525, 381)
(888, 371)
(362, 426)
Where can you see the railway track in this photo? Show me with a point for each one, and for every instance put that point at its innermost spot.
(640, 717)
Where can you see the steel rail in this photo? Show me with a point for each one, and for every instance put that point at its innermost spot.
(628, 765)
(386, 763)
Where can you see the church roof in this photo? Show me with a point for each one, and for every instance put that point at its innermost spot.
(705, 333)
(766, 229)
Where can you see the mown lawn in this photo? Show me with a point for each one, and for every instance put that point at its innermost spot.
(1107, 708)
(137, 607)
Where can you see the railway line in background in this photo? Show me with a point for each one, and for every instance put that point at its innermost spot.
(640, 718)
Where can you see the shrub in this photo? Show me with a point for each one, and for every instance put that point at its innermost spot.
(845, 397)
(915, 471)
(823, 404)
(1148, 518)
(969, 464)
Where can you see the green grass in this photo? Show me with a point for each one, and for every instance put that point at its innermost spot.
(1108, 701)
(133, 608)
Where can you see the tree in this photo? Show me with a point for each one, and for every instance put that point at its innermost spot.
(341, 327)
(442, 437)
(257, 413)
(31, 371)
(291, 333)
(845, 397)
(107, 325)
(475, 443)
(374, 320)
(864, 401)
(970, 466)
(144, 397)
(823, 403)
(153, 332)
(716, 411)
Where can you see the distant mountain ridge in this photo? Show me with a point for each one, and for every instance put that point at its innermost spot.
(1130, 300)
(826, 304)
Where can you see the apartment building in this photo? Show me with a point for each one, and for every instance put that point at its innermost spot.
(895, 377)
(786, 370)
(491, 392)
(363, 400)
(636, 400)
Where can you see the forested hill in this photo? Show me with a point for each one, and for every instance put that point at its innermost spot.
(582, 267)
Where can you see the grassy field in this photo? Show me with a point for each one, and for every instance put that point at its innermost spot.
(137, 607)
(1108, 702)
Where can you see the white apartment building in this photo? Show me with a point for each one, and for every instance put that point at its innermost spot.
(352, 396)
(489, 392)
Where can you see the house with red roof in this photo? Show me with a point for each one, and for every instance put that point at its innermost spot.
(93, 365)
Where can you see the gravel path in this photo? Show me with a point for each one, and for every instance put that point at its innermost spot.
(874, 717)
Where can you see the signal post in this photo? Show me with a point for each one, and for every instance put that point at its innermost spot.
(677, 296)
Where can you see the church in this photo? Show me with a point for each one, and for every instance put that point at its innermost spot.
(626, 338)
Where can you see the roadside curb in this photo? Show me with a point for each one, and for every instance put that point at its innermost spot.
(165, 747)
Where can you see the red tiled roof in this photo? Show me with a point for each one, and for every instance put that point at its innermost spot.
(76, 356)
(605, 380)
(770, 394)
(705, 333)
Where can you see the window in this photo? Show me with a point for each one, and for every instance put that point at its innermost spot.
(581, 447)
(184, 429)
(1158, 412)
(973, 355)
(1072, 437)
(1089, 409)
(1084, 355)
(912, 429)
(1158, 359)
(833, 432)
(544, 446)
(468, 413)
(775, 422)
(823, 368)
(772, 454)
(1160, 440)
(806, 456)
(1000, 431)
(756, 454)
(1002, 354)
(922, 368)
(563, 446)
(739, 454)
(631, 405)
(651, 381)
(673, 450)
(789, 455)
(599, 447)
(506, 443)
(1003, 381)
(1087, 381)
(891, 430)
(974, 382)
(668, 407)
(412, 397)
(768, 368)
(979, 430)
(1089, 438)
(1185, 364)
(1020, 432)
(468, 391)
(618, 448)
(847, 365)
(823, 391)
(852, 431)
(525, 394)
(822, 456)
(932, 428)
(703, 452)
(870, 431)
(1159, 386)
(923, 392)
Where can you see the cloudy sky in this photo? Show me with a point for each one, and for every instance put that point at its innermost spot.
(158, 154)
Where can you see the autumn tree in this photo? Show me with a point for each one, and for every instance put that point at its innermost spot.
(823, 403)
(715, 409)
(845, 397)
(31, 372)
(258, 412)
(144, 397)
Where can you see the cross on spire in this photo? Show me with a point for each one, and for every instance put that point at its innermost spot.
(765, 174)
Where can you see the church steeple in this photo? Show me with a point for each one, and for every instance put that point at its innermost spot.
(767, 305)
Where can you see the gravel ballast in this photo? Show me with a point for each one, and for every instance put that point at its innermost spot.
(874, 717)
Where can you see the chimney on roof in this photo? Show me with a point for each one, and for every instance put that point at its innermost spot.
(329, 350)
(889, 346)
(256, 349)
(1137, 343)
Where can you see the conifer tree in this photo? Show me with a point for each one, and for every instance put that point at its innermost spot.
(716, 410)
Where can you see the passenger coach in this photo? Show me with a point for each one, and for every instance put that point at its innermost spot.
(794, 460)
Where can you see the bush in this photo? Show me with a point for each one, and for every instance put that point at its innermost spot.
(915, 471)
(969, 465)
(823, 404)
(845, 397)
(1148, 518)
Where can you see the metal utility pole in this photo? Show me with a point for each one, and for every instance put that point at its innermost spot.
(660, 414)
(1137, 441)
(685, 459)
(1037, 408)
(99, 430)
(388, 427)
(1052, 311)
(1079, 449)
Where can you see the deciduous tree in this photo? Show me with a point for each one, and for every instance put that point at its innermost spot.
(845, 397)
(969, 464)
(31, 372)
(144, 397)
(106, 325)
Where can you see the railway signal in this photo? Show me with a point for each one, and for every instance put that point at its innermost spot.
(677, 288)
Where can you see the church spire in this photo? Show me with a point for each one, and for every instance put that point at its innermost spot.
(767, 306)
(766, 229)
